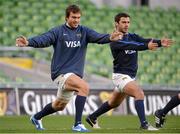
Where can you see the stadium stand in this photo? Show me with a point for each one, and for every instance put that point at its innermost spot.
(33, 17)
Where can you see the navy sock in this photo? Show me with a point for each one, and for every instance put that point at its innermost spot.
(101, 110)
(79, 104)
(45, 111)
(139, 105)
(175, 101)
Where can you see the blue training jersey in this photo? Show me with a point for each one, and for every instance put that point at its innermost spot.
(125, 53)
(69, 47)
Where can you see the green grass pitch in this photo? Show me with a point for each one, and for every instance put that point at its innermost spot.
(63, 124)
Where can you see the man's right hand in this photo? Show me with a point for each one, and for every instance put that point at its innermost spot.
(152, 46)
(21, 41)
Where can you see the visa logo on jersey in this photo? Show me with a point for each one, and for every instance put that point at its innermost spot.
(73, 43)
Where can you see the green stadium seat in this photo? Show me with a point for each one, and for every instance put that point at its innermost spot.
(31, 11)
(23, 4)
(38, 5)
(23, 17)
(144, 79)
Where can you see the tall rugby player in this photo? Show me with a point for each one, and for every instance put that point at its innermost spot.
(70, 42)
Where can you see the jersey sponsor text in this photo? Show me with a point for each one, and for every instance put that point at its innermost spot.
(73, 43)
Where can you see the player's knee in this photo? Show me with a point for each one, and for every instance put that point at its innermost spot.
(84, 89)
(139, 95)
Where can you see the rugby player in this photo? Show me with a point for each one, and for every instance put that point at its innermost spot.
(69, 42)
(125, 67)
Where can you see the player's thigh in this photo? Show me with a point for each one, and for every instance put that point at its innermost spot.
(116, 98)
(63, 95)
(67, 84)
(120, 80)
(75, 83)
(134, 90)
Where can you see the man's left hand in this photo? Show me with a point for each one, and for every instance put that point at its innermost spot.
(165, 42)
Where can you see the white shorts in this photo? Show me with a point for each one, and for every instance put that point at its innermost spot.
(62, 93)
(120, 81)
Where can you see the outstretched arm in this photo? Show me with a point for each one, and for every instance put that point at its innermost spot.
(165, 42)
(132, 45)
(40, 41)
(140, 43)
(146, 40)
(95, 37)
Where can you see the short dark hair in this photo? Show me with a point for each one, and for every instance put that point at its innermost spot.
(72, 8)
(119, 15)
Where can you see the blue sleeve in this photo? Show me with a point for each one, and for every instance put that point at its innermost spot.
(146, 40)
(94, 37)
(129, 45)
(43, 40)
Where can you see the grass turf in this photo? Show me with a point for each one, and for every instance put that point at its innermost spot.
(63, 124)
